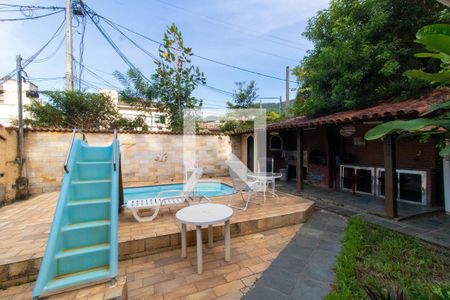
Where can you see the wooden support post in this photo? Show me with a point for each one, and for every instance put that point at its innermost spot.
(390, 177)
(299, 166)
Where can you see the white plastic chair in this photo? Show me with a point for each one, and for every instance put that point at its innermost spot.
(168, 198)
(238, 173)
(266, 164)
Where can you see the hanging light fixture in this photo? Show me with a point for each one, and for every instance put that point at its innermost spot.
(347, 131)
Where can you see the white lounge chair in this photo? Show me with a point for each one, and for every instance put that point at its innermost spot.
(238, 173)
(168, 198)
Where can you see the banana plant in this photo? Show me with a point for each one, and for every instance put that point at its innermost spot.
(436, 39)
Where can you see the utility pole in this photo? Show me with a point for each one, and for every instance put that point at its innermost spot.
(20, 111)
(69, 47)
(287, 91)
(281, 108)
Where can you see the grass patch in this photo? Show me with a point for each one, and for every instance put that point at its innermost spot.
(386, 260)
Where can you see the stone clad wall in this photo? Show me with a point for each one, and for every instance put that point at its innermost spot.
(45, 153)
(9, 169)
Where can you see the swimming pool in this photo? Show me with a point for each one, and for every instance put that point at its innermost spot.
(208, 189)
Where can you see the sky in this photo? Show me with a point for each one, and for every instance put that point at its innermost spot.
(260, 35)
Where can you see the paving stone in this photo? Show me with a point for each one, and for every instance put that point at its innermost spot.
(333, 246)
(279, 279)
(304, 269)
(308, 289)
(319, 271)
(289, 263)
(261, 292)
(299, 251)
(306, 241)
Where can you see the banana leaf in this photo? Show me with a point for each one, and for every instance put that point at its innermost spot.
(400, 126)
(432, 77)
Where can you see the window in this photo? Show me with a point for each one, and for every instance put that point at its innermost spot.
(357, 177)
(160, 119)
(411, 185)
(275, 143)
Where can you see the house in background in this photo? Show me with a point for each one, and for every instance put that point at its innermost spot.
(9, 108)
(155, 120)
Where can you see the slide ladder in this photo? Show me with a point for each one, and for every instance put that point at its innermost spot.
(83, 243)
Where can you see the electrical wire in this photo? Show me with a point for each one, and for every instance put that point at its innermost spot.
(92, 15)
(29, 60)
(88, 70)
(195, 55)
(132, 41)
(270, 37)
(45, 78)
(32, 18)
(32, 6)
(51, 54)
(81, 54)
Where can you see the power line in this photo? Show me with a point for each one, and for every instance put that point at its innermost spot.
(132, 41)
(220, 91)
(45, 78)
(91, 14)
(53, 53)
(88, 70)
(32, 6)
(35, 55)
(195, 55)
(32, 18)
(31, 58)
(81, 54)
(269, 37)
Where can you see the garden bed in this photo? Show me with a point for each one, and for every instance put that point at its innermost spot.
(384, 260)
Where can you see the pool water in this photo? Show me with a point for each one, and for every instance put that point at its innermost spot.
(208, 189)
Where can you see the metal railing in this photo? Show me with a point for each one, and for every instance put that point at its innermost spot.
(74, 132)
(114, 149)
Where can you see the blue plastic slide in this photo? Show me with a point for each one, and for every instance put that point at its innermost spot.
(82, 247)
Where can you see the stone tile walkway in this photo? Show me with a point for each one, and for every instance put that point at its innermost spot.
(304, 269)
(433, 228)
(168, 276)
(358, 202)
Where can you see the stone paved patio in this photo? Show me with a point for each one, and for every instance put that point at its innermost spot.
(433, 227)
(304, 269)
(25, 225)
(168, 276)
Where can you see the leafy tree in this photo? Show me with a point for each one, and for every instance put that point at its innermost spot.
(176, 77)
(272, 117)
(436, 38)
(244, 96)
(77, 109)
(137, 90)
(137, 123)
(361, 49)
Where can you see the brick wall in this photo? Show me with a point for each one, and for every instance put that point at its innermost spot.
(45, 153)
(411, 154)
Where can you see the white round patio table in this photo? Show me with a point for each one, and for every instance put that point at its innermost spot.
(265, 178)
(200, 215)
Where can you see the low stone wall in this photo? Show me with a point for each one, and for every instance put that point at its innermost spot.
(45, 153)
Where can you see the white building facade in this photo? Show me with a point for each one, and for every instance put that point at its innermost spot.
(155, 120)
(9, 106)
